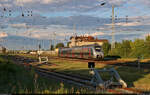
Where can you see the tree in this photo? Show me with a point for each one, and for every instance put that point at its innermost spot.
(59, 45)
(68, 44)
(125, 48)
(3, 50)
(52, 47)
(138, 48)
(106, 48)
(116, 51)
(146, 49)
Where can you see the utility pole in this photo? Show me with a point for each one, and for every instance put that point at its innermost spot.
(50, 43)
(113, 25)
(127, 19)
(113, 29)
(54, 35)
(74, 27)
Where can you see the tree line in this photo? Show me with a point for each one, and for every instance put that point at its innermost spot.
(129, 49)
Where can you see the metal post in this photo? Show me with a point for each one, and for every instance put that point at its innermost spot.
(54, 35)
(117, 76)
(74, 26)
(51, 47)
(39, 55)
(113, 29)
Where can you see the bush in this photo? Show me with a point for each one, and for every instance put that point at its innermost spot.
(129, 49)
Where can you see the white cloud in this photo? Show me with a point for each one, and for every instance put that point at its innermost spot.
(128, 24)
(33, 1)
(67, 5)
(3, 34)
(145, 35)
(47, 1)
(116, 2)
(97, 34)
(131, 23)
(22, 2)
(20, 25)
(52, 31)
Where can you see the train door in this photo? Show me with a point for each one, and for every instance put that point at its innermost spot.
(90, 53)
(72, 52)
(85, 53)
(78, 50)
(89, 50)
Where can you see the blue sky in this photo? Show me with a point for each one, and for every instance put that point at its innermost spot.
(76, 7)
(62, 17)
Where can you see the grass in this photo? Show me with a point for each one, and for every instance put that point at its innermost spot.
(132, 76)
(19, 80)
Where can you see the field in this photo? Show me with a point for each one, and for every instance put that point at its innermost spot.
(22, 80)
(17, 79)
(137, 78)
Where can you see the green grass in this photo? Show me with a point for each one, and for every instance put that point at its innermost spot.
(17, 79)
(132, 76)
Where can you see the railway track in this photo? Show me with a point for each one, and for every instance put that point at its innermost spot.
(108, 62)
(77, 80)
(82, 82)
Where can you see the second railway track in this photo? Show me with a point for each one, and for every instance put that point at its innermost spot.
(108, 62)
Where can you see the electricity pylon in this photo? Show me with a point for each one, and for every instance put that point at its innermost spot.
(113, 29)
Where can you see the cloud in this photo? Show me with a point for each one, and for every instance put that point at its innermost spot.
(78, 6)
(24, 2)
(58, 5)
(55, 31)
(116, 2)
(3, 34)
(19, 25)
(47, 1)
(133, 23)
(128, 24)
(145, 35)
(95, 34)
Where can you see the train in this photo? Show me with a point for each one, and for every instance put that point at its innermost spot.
(84, 52)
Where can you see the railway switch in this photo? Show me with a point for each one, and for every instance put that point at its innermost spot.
(99, 82)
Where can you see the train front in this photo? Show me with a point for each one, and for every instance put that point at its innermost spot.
(98, 52)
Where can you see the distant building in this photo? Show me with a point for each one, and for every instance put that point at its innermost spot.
(2, 49)
(85, 40)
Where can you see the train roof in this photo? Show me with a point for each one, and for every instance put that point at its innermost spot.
(88, 45)
(91, 45)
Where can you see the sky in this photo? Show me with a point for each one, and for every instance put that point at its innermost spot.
(59, 19)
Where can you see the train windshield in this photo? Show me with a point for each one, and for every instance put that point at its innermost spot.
(98, 48)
